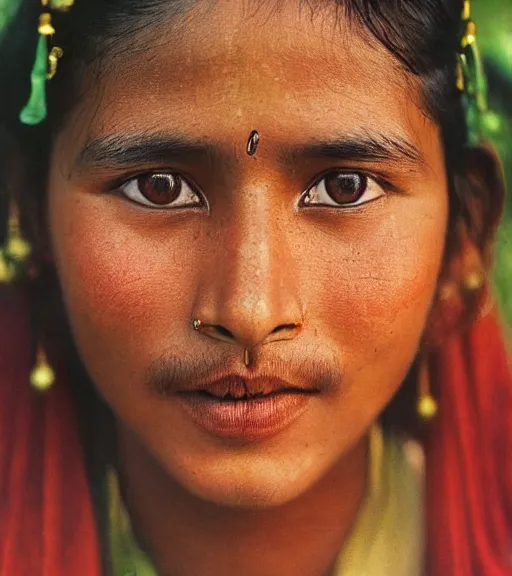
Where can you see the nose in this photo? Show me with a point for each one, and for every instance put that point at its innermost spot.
(223, 334)
(248, 292)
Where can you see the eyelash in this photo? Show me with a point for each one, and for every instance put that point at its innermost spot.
(121, 186)
(178, 180)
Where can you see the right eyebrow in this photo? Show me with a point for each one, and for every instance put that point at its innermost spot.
(119, 150)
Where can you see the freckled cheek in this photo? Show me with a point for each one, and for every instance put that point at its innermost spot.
(380, 289)
(121, 287)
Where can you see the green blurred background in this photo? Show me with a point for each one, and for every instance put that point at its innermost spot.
(494, 20)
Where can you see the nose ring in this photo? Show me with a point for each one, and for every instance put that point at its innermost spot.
(198, 325)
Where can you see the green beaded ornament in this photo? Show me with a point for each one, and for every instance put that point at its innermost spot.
(472, 82)
(35, 110)
(45, 65)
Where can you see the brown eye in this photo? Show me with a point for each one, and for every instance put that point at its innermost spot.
(343, 189)
(160, 189)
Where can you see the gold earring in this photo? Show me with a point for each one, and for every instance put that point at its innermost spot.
(474, 280)
(16, 247)
(427, 404)
(7, 269)
(42, 376)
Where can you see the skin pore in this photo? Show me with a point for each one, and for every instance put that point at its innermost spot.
(251, 252)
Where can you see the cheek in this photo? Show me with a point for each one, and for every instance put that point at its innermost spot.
(374, 287)
(388, 266)
(119, 283)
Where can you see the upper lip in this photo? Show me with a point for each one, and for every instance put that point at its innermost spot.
(240, 386)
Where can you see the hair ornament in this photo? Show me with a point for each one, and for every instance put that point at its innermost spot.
(45, 64)
(42, 376)
(16, 250)
(471, 80)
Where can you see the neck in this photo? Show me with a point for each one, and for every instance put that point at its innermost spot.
(186, 536)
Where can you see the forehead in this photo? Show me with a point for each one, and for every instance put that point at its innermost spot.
(221, 68)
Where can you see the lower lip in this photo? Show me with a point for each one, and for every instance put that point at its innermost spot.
(254, 419)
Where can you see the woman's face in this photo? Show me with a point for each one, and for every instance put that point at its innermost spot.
(335, 226)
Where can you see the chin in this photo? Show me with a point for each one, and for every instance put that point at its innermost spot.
(242, 472)
(255, 483)
(249, 475)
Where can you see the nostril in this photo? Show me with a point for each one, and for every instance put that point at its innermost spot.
(224, 331)
(216, 331)
(283, 327)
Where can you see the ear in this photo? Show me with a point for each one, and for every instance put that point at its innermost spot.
(464, 291)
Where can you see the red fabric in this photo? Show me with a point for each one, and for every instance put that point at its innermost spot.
(469, 457)
(46, 519)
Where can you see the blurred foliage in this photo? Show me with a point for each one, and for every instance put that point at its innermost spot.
(494, 21)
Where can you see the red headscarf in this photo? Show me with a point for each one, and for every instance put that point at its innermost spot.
(469, 456)
(47, 525)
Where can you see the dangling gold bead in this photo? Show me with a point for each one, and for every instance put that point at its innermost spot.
(460, 79)
(470, 34)
(42, 376)
(61, 5)
(45, 25)
(466, 10)
(7, 270)
(427, 407)
(18, 248)
(473, 281)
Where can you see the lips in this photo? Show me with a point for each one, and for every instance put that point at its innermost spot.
(245, 408)
(233, 387)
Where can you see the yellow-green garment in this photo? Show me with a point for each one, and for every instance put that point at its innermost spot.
(387, 538)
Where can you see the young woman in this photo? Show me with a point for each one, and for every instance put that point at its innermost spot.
(259, 236)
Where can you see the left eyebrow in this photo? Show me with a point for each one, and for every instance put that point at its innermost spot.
(367, 147)
(119, 150)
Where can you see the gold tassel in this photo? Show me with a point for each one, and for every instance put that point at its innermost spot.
(16, 247)
(7, 269)
(45, 27)
(42, 376)
(427, 405)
